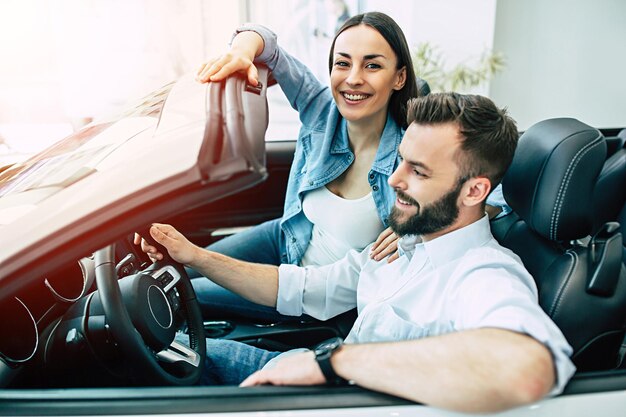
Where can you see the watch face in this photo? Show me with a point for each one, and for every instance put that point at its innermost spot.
(328, 345)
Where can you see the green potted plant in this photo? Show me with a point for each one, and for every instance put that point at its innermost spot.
(430, 66)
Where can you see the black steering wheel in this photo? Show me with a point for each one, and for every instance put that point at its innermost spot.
(143, 313)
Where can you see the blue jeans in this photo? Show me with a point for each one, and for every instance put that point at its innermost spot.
(260, 244)
(229, 362)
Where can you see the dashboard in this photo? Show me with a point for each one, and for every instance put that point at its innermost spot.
(25, 316)
(28, 320)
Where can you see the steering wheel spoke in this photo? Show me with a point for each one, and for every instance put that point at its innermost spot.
(178, 352)
(174, 299)
(167, 277)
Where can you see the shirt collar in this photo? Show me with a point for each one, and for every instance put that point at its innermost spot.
(387, 153)
(452, 245)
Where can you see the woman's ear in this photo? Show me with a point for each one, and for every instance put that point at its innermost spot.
(400, 79)
(476, 191)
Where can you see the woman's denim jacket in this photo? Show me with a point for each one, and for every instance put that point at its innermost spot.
(322, 151)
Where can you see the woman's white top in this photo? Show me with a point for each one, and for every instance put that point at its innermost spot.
(338, 225)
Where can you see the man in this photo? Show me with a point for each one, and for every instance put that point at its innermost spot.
(455, 318)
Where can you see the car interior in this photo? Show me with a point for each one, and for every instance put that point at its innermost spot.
(572, 244)
(567, 189)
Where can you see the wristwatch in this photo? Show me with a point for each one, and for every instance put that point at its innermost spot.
(323, 353)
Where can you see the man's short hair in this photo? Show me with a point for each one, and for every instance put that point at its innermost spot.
(489, 135)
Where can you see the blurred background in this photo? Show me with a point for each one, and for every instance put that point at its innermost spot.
(65, 62)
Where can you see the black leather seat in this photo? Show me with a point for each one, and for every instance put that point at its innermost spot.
(609, 197)
(622, 221)
(423, 88)
(615, 143)
(582, 287)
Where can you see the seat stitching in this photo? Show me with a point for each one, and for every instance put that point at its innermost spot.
(556, 213)
(559, 295)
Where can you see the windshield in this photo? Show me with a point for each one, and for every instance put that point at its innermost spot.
(26, 184)
(63, 164)
(79, 155)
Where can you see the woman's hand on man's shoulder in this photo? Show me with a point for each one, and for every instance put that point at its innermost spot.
(385, 245)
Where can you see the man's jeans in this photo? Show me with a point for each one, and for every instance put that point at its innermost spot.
(229, 362)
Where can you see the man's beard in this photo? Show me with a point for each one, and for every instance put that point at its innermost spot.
(428, 219)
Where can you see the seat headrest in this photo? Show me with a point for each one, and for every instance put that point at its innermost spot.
(422, 87)
(552, 177)
(609, 195)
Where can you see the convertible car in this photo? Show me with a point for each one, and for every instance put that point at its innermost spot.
(87, 323)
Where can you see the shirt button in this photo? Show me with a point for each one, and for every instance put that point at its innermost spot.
(371, 176)
(375, 188)
(310, 182)
(349, 157)
(293, 240)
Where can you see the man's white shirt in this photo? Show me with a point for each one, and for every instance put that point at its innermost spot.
(462, 280)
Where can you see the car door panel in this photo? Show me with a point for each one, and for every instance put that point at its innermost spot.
(247, 208)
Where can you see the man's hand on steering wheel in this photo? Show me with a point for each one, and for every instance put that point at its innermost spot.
(179, 248)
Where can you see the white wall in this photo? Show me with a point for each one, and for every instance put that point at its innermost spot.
(63, 62)
(461, 30)
(565, 58)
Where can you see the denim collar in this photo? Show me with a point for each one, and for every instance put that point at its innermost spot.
(387, 153)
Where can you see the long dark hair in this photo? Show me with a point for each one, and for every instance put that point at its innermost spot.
(394, 36)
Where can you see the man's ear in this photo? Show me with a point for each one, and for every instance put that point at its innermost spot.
(476, 191)
(400, 79)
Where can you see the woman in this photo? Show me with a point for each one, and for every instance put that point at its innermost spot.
(337, 195)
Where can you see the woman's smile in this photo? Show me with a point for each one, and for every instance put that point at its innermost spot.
(355, 97)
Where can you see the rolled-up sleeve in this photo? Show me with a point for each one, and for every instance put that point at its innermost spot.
(321, 292)
(269, 56)
(290, 289)
(498, 297)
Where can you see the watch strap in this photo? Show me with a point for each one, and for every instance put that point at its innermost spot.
(323, 360)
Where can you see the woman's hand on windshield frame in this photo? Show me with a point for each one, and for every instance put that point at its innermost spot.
(240, 58)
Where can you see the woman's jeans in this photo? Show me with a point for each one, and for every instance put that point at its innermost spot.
(260, 244)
